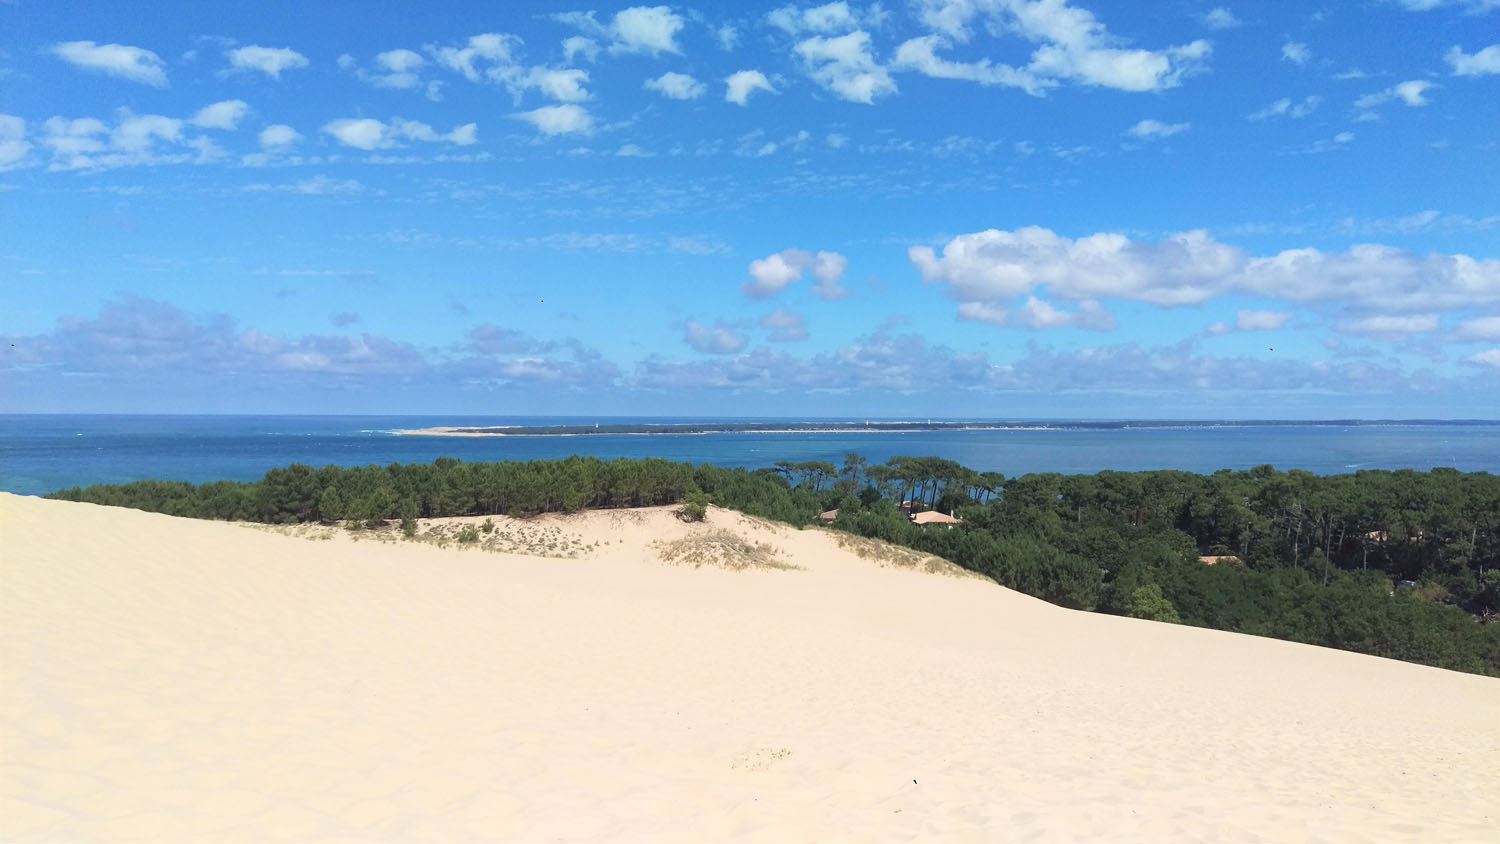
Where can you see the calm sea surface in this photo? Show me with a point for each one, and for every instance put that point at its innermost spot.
(42, 453)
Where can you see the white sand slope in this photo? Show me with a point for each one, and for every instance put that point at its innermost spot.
(165, 679)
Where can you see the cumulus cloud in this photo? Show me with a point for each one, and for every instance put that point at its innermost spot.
(738, 86)
(1220, 18)
(278, 136)
(1071, 45)
(13, 144)
(920, 55)
(1039, 315)
(646, 29)
(567, 119)
(268, 60)
(564, 85)
(994, 267)
(1484, 62)
(830, 17)
(1286, 107)
(578, 45)
(1482, 328)
(87, 143)
(223, 115)
(159, 344)
(1412, 93)
(677, 86)
(369, 134)
(1489, 358)
(119, 60)
(785, 326)
(1151, 129)
(774, 273)
(845, 66)
(489, 48)
(398, 69)
(1295, 52)
(718, 339)
(651, 30)
(1390, 327)
(1251, 321)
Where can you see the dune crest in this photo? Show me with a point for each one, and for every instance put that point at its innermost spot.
(165, 679)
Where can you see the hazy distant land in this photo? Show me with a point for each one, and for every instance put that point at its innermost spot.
(867, 426)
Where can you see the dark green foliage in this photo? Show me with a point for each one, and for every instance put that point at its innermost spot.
(1149, 603)
(694, 507)
(1317, 557)
(468, 535)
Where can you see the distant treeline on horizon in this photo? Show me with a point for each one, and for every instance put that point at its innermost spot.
(1401, 564)
(896, 426)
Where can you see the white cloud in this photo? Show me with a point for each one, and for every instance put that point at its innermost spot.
(1285, 107)
(1411, 92)
(1039, 315)
(370, 134)
(134, 140)
(1261, 320)
(1071, 45)
(727, 36)
(398, 69)
(830, 17)
(773, 273)
(718, 339)
(579, 45)
(632, 151)
(836, 141)
(13, 143)
(1473, 7)
(645, 29)
(278, 136)
(364, 133)
(738, 86)
(1484, 62)
(268, 60)
(1156, 129)
(1220, 18)
(1483, 328)
(492, 47)
(132, 63)
(559, 119)
(827, 269)
(565, 86)
(1389, 327)
(223, 115)
(845, 66)
(1489, 358)
(920, 55)
(1296, 52)
(993, 267)
(677, 86)
(785, 326)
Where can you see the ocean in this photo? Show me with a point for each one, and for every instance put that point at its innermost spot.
(43, 453)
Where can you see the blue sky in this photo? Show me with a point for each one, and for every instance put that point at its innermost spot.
(946, 208)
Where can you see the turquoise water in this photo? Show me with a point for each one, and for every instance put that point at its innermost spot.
(42, 453)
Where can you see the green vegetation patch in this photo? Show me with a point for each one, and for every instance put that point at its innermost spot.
(722, 549)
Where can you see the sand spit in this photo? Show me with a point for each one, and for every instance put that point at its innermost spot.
(164, 679)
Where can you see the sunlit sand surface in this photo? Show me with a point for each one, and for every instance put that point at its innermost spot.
(175, 680)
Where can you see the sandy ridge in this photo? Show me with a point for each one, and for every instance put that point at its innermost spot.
(165, 679)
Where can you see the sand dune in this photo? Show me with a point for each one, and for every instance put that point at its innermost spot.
(167, 679)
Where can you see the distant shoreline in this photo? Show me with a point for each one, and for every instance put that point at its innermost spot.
(866, 427)
(678, 430)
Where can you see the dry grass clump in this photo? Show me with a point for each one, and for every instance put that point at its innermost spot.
(721, 549)
(505, 535)
(894, 556)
